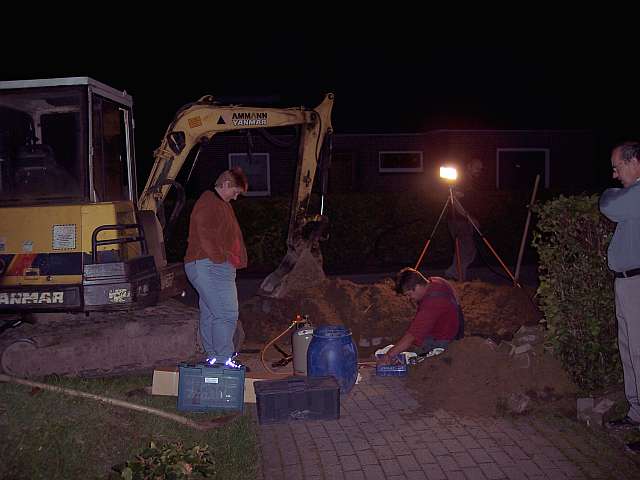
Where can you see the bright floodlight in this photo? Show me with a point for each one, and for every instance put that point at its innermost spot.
(448, 173)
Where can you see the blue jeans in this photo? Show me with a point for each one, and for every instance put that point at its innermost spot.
(216, 286)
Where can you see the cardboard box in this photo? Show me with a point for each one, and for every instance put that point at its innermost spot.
(249, 390)
(165, 381)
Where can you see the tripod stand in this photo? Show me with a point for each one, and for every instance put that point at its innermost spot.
(457, 205)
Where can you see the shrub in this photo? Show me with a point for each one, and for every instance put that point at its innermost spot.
(368, 230)
(170, 461)
(576, 291)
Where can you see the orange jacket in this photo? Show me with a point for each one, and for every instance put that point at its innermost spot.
(214, 232)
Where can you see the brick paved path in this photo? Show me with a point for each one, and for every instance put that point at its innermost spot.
(381, 434)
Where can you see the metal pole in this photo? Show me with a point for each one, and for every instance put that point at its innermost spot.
(526, 227)
(506, 269)
(456, 240)
(426, 245)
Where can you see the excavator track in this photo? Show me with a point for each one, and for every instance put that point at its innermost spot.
(102, 343)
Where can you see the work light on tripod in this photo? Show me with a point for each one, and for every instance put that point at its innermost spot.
(450, 174)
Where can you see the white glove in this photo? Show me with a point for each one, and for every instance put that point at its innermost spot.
(407, 355)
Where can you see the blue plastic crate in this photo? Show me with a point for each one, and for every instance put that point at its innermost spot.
(203, 388)
(398, 369)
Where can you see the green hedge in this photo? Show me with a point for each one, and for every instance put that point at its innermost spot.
(576, 289)
(369, 231)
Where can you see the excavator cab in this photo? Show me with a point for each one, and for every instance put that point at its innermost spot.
(69, 238)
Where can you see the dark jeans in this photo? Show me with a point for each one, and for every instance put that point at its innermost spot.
(429, 344)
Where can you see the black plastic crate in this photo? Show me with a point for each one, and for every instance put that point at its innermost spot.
(297, 398)
(203, 388)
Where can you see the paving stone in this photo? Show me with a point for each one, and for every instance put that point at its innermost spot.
(480, 456)
(354, 475)
(408, 463)
(423, 455)
(399, 448)
(273, 473)
(463, 459)
(324, 444)
(311, 469)
(373, 472)
(555, 474)
(514, 473)
(434, 472)
(474, 473)
(391, 467)
(415, 475)
(337, 437)
(437, 448)
(456, 475)
(501, 458)
(453, 445)
(467, 441)
(447, 462)
(344, 448)
(367, 457)
(350, 462)
(329, 458)
(360, 444)
(383, 453)
(491, 471)
(293, 471)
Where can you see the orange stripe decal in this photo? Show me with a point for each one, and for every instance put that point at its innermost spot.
(20, 263)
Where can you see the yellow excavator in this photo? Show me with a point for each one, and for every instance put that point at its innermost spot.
(85, 286)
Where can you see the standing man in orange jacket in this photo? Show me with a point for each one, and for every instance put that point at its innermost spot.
(215, 251)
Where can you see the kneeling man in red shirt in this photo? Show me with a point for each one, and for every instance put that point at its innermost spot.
(438, 320)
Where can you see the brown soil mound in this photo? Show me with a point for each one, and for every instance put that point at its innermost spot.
(473, 379)
(377, 311)
(470, 377)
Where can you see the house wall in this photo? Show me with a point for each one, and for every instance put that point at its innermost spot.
(355, 167)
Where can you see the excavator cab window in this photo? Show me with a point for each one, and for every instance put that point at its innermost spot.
(112, 174)
(42, 145)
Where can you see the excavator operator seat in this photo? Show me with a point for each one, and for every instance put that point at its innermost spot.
(37, 170)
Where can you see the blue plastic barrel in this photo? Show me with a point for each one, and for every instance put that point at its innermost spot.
(332, 352)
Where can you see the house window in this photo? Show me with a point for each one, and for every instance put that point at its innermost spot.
(518, 167)
(399, 162)
(257, 169)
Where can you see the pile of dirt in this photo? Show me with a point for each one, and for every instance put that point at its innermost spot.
(474, 378)
(370, 311)
(471, 377)
(375, 313)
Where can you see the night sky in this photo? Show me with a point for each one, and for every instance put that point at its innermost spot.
(403, 84)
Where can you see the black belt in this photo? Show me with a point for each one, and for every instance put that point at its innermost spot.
(627, 274)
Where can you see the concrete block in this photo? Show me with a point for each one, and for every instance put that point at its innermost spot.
(593, 419)
(532, 339)
(585, 410)
(522, 361)
(518, 402)
(603, 406)
(522, 349)
(528, 330)
(506, 348)
(585, 404)
(490, 344)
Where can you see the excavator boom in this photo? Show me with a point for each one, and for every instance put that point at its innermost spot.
(200, 121)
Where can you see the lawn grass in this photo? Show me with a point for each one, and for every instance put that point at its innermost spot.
(48, 435)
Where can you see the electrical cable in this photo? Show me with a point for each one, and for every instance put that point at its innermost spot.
(295, 322)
